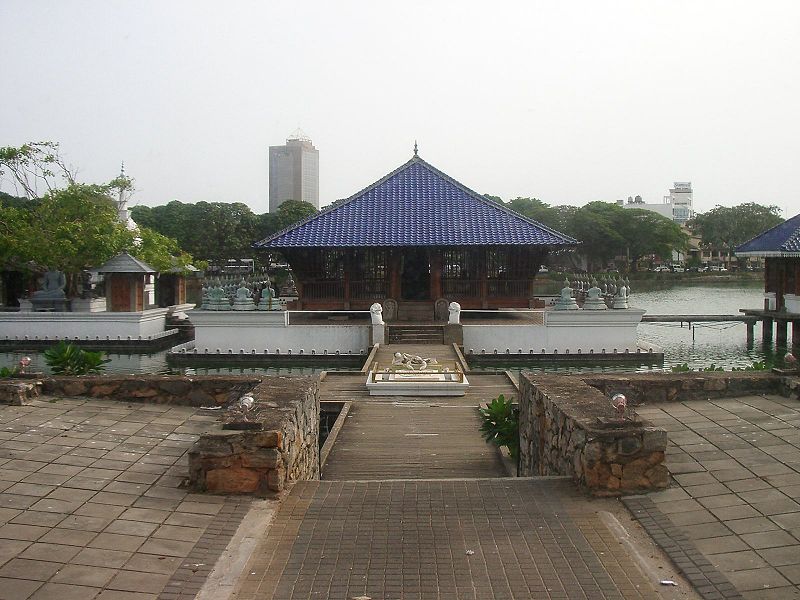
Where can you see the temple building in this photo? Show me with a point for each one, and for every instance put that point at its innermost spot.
(414, 241)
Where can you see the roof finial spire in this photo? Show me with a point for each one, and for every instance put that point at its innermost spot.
(415, 147)
(122, 169)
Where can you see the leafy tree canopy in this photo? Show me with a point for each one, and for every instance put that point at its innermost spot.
(68, 228)
(727, 227)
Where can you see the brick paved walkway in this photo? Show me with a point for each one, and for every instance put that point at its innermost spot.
(461, 540)
(90, 505)
(736, 468)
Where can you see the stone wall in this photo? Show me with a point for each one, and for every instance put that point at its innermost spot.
(570, 428)
(161, 389)
(280, 443)
(678, 387)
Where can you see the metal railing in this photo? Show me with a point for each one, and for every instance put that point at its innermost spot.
(369, 289)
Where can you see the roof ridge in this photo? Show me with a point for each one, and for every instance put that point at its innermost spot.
(556, 238)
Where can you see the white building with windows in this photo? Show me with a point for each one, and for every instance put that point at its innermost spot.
(293, 172)
(676, 206)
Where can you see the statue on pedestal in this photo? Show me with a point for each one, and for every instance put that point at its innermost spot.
(244, 298)
(594, 300)
(621, 299)
(217, 299)
(53, 284)
(266, 301)
(566, 301)
(51, 296)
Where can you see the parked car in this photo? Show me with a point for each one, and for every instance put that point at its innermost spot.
(677, 269)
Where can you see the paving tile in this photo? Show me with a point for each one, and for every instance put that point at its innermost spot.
(102, 557)
(738, 561)
(151, 563)
(17, 589)
(120, 595)
(12, 531)
(166, 547)
(50, 552)
(21, 568)
(61, 591)
(116, 541)
(134, 581)
(769, 539)
(137, 528)
(40, 519)
(758, 579)
(11, 549)
(721, 545)
(72, 537)
(84, 575)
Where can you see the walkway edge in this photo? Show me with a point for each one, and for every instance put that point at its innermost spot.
(229, 568)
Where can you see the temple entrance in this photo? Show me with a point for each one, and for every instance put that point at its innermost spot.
(415, 277)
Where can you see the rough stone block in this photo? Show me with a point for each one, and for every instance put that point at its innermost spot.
(233, 480)
(263, 458)
(654, 439)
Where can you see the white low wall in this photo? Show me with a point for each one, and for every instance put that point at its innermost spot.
(148, 324)
(792, 303)
(266, 332)
(563, 332)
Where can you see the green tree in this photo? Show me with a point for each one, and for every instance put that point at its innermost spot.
(646, 232)
(292, 211)
(726, 227)
(535, 209)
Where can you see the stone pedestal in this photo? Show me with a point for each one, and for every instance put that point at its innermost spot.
(50, 304)
(88, 305)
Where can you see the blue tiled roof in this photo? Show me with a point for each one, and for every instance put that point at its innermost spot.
(416, 205)
(783, 239)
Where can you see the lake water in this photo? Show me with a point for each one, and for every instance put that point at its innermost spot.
(723, 344)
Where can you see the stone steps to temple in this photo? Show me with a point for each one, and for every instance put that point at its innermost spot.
(416, 334)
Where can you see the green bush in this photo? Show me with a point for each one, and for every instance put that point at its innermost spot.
(6, 373)
(68, 359)
(501, 424)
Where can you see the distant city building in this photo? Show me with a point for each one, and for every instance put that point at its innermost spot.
(677, 206)
(293, 172)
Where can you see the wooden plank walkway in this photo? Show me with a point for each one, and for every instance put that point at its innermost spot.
(390, 437)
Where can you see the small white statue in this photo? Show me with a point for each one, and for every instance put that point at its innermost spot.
(455, 313)
(376, 314)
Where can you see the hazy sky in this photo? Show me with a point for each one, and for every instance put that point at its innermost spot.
(565, 101)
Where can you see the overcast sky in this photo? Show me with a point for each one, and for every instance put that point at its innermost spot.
(566, 101)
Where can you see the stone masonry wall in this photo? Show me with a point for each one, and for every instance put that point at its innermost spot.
(161, 389)
(678, 387)
(570, 428)
(281, 446)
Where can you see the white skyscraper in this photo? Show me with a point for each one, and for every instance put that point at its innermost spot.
(293, 172)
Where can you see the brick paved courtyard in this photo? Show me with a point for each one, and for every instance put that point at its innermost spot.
(90, 503)
(477, 539)
(736, 491)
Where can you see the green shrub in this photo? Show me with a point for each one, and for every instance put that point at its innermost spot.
(684, 368)
(68, 359)
(5, 372)
(501, 424)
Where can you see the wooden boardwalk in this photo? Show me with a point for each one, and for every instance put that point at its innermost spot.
(429, 437)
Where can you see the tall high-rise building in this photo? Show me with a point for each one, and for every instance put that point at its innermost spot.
(293, 172)
(680, 196)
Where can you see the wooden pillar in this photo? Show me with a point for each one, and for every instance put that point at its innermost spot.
(394, 273)
(348, 262)
(781, 327)
(750, 334)
(766, 330)
(795, 335)
(435, 261)
(483, 278)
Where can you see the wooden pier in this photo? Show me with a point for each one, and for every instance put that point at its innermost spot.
(768, 318)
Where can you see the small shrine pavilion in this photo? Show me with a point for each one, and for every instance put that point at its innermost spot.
(780, 248)
(130, 284)
(414, 241)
